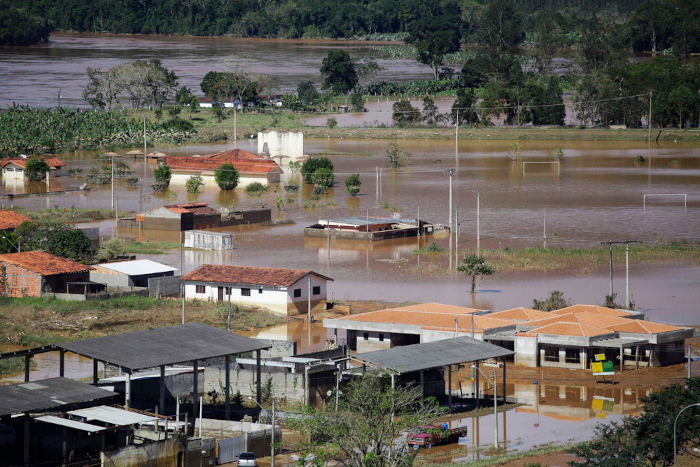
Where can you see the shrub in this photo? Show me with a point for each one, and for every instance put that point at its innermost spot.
(36, 169)
(161, 175)
(331, 123)
(226, 177)
(291, 187)
(311, 165)
(395, 158)
(178, 124)
(322, 179)
(557, 154)
(256, 189)
(353, 184)
(193, 184)
(132, 181)
(555, 301)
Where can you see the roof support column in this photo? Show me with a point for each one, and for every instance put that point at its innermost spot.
(449, 386)
(227, 387)
(61, 363)
(94, 372)
(127, 390)
(504, 389)
(161, 397)
(27, 359)
(422, 383)
(476, 384)
(636, 357)
(195, 392)
(622, 356)
(258, 395)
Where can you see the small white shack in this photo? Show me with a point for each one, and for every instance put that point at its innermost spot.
(128, 274)
(207, 240)
(281, 290)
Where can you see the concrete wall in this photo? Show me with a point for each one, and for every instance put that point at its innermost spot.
(368, 341)
(290, 143)
(526, 351)
(258, 436)
(111, 279)
(243, 180)
(285, 384)
(194, 452)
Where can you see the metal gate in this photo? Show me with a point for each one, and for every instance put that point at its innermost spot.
(230, 449)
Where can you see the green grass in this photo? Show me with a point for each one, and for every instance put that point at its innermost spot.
(70, 214)
(585, 260)
(433, 248)
(150, 248)
(498, 458)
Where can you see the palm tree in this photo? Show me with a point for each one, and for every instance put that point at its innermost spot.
(475, 266)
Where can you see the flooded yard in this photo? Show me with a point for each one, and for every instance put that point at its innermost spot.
(596, 195)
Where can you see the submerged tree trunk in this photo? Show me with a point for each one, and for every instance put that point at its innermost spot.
(473, 283)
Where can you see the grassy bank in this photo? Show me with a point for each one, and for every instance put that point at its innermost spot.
(528, 457)
(209, 129)
(38, 321)
(574, 260)
(150, 248)
(73, 215)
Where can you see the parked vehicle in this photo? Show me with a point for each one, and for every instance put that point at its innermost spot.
(247, 459)
(435, 435)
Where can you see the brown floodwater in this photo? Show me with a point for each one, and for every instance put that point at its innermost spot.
(596, 196)
(35, 75)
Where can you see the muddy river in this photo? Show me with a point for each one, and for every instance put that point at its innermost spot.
(36, 75)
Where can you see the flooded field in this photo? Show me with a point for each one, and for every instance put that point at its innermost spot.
(37, 75)
(595, 196)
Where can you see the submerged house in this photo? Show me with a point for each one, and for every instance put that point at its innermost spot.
(281, 290)
(13, 169)
(369, 228)
(251, 167)
(192, 216)
(565, 338)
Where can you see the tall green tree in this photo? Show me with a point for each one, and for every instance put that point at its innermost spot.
(161, 176)
(36, 168)
(307, 93)
(353, 184)
(434, 37)
(312, 164)
(338, 71)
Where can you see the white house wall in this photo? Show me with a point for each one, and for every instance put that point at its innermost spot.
(209, 180)
(273, 299)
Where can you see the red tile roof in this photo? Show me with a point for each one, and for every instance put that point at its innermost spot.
(244, 162)
(43, 263)
(248, 275)
(567, 329)
(603, 310)
(53, 162)
(9, 219)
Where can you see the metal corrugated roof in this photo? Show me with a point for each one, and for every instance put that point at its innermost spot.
(163, 346)
(359, 220)
(70, 423)
(112, 415)
(48, 394)
(138, 267)
(408, 358)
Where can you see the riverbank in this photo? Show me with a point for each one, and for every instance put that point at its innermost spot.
(37, 321)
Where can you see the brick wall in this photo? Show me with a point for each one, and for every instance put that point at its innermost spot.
(19, 281)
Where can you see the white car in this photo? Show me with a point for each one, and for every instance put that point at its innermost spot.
(247, 459)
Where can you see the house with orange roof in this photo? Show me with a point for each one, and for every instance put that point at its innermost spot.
(13, 169)
(38, 274)
(251, 167)
(10, 220)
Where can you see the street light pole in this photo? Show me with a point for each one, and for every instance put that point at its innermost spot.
(674, 429)
(450, 173)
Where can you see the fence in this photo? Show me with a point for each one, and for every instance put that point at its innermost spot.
(684, 195)
(164, 286)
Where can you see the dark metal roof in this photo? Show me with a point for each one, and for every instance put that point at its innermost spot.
(408, 358)
(48, 394)
(163, 346)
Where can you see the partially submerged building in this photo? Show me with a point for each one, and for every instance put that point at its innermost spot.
(129, 274)
(369, 228)
(289, 144)
(568, 338)
(250, 167)
(208, 240)
(37, 274)
(14, 169)
(281, 290)
(192, 216)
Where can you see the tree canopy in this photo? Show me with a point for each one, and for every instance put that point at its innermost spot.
(475, 266)
(338, 71)
(226, 177)
(312, 164)
(36, 168)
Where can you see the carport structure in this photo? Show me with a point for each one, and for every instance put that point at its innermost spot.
(158, 348)
(433, 355)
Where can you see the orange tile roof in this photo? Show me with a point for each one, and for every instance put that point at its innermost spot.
(10, 219)
(435, 317)
(566, 329)
(43, 263)
(643, 327)
(248, 275)
(438, 308)
(53, 162)
(521, 314)
(591, 309)
(244, 162)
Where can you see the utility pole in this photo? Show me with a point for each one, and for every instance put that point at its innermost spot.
(457, 132)
(112, 181)
(235, 132)
(651, 93)
(611, 271)
(627, 278)
(450, 173)
(495, 410)
(478, 226)
(143, 179)
(376, 170)
(544, 224)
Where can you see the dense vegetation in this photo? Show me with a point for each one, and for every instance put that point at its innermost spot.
(280, 18)
(27, 130)
(19, 26)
